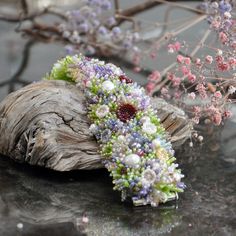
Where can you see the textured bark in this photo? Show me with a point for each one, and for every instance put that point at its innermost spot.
(45, 124)
(175, 121)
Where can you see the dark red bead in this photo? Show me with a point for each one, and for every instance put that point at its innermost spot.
(126, 112)
(126, 79)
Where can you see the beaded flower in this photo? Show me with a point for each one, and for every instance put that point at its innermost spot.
(133, 143)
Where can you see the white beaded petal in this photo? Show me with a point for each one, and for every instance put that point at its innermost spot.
(132, 160)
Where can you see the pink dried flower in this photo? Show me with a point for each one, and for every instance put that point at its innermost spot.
(218, 95)
(150, 86)
(212, 109)
(196, 109)
(217, 118)
(201, 90)
(223, 37)
(174, 47)
(198, 62)
(209, 59)
(223, 66)
(177, 46)
(137, 69)
(176, 81)
(227, 114)
(154, 76)
(219, 59)
(170, 76)
(180, 59)
(192, 95)
(177, 95)
(185, 70)
(187, 60)
(233, 44)
(85, 219)
(232, 62)
(171, 48)
(191, 78)
(215, 24)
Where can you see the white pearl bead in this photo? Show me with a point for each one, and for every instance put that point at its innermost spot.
(121, 138)
(102, 111)
(108, 85)
(149, 128)
(132, 160)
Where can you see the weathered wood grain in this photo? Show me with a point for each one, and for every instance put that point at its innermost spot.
(45, 124)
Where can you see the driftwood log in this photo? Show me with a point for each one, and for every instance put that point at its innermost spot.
(45, 124)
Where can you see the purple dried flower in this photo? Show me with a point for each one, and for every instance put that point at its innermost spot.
(111, 21)
(105, 136)
(116, 30)
(224, 7)
(102, 30)
(89, 50)
(106, 5)
(127, 44)
(203, 6)
(93, 14)
(83, 27)
(93, 2)
(69, 49)
(181, 185)
(76, 14)
(95, 23)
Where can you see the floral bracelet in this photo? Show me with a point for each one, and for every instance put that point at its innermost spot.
(133, 143)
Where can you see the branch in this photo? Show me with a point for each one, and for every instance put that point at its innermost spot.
(135, 10)
(15, 78)
(19, 18)
(24, 6)
(117, 6)
(150, 4)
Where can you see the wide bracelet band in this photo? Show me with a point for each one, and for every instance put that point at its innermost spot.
(133, 143)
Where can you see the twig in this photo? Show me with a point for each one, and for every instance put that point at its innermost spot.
(173, 3)
(24, 6)
(150, 4)
(199, 45)
(117, 6)
(136, 9)
(18, 18)
(15, 78)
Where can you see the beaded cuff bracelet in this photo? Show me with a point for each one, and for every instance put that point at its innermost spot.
(133, 143)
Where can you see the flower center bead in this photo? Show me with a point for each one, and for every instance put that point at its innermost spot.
(126, 112)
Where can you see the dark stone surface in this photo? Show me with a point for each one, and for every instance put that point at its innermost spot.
(53, 203)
